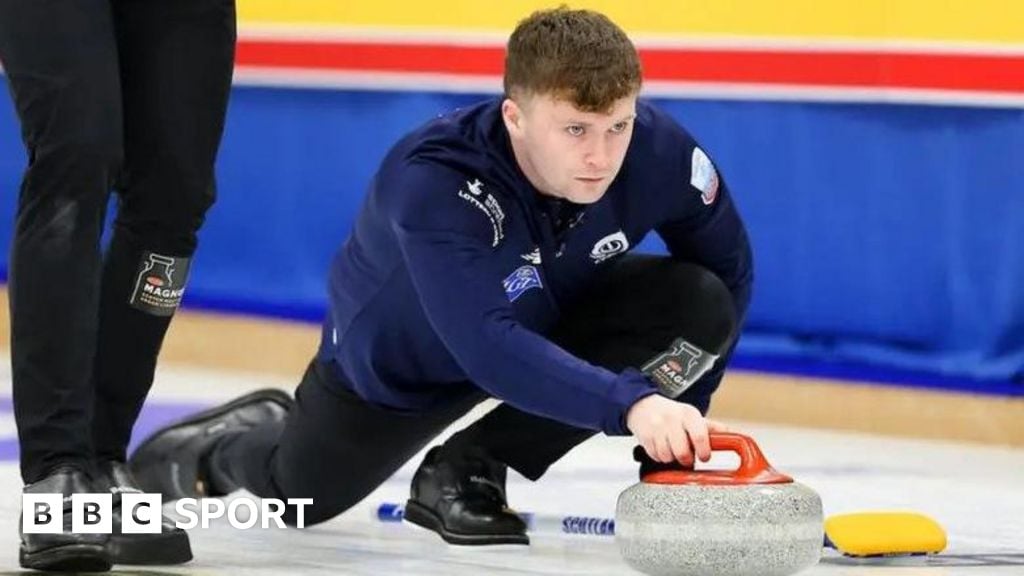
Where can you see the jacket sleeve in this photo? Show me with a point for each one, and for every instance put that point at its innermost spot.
(448, 245)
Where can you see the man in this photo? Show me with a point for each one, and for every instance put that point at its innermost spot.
(111, 94)
(489, 259)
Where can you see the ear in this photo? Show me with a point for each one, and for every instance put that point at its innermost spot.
(512, 114)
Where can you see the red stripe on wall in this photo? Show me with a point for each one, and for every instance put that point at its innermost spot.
(840, 69)
(969, 72)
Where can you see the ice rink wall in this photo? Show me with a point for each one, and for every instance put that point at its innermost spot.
(876, 149)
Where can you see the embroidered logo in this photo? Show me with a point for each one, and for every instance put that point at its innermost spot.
(533, 257)
(489, 206)
(518, 282)
(609, 246)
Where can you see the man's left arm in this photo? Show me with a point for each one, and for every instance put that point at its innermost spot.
(704, 227)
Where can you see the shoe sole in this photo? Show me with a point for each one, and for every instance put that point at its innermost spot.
(424, 517)
(268, 394)
(168, 549)
(69, 558)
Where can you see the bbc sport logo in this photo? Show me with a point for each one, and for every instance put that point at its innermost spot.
(141, 512)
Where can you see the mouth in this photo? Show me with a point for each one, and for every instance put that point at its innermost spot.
(590, 179)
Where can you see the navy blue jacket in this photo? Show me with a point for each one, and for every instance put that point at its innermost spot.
(453, 270)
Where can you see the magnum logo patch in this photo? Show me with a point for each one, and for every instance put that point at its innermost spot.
(678, 368)
(159, 284)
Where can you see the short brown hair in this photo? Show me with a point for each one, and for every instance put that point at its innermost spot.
(578, 55)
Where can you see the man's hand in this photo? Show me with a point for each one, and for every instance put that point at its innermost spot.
(670, 430)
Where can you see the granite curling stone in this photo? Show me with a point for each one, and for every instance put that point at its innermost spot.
(750, 521)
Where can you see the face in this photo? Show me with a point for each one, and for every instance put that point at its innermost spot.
(565, 152)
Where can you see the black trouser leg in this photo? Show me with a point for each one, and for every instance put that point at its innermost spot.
(635, 312)
(60, 59)
(333, 447)
(176, 67)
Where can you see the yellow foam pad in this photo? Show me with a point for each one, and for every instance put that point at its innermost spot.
(884, 534)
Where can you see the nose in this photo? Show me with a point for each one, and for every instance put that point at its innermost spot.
(597, 156)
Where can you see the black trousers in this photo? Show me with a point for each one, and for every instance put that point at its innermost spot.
(111, 94)
(336, 448)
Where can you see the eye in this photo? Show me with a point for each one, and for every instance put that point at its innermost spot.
(574, 130)
(620, 127)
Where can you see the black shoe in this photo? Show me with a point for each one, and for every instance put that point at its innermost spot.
(172, 461)
(462, 498)
(65, 552)
(168, 547)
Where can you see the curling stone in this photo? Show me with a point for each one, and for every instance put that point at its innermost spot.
(750, 521)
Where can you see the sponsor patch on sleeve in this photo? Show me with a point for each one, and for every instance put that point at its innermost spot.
(703, 176)
(524, 278)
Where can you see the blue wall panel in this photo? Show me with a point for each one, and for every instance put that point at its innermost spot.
(887, 234)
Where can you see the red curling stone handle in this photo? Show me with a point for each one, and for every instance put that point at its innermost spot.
(753, 468)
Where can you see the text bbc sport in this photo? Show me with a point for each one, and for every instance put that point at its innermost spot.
(141, 512)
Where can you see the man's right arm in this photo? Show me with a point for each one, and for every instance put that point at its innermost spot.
(447, 245)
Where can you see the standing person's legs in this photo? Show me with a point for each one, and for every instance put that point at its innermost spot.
(176, 66)
(639, 309)
(60, 60)
(176, 62)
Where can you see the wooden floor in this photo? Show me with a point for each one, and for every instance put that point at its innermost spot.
(246, 344)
